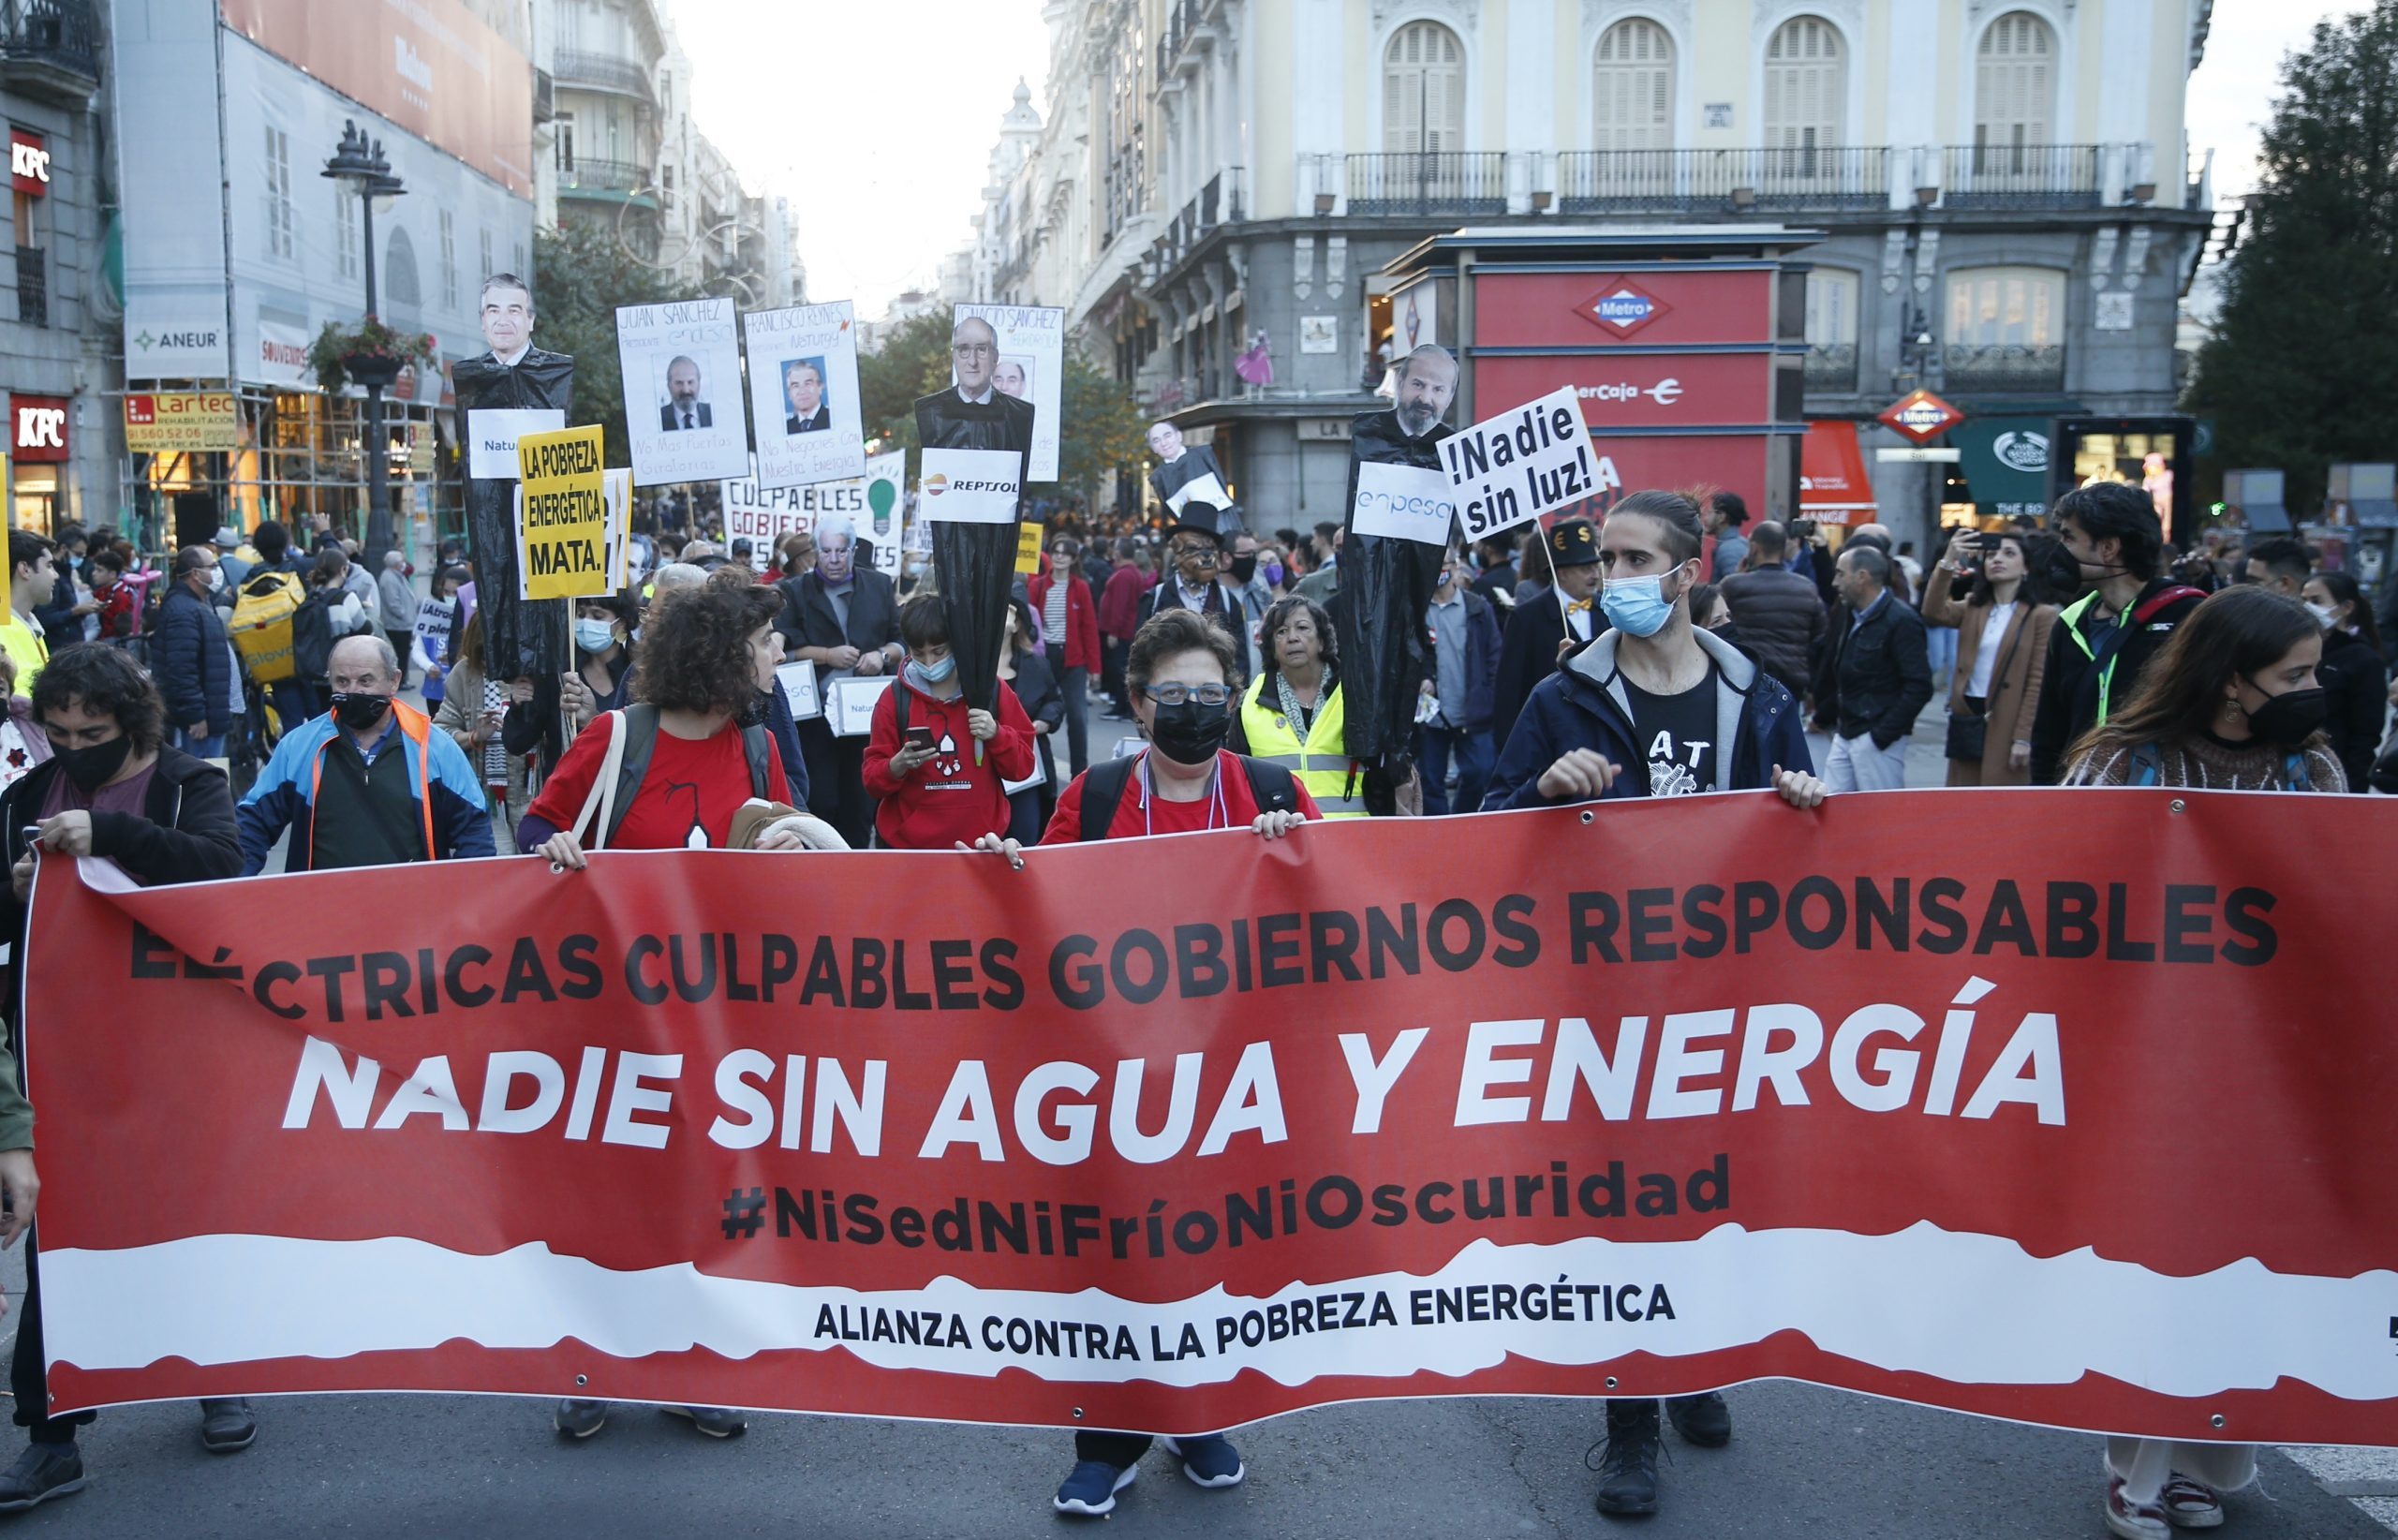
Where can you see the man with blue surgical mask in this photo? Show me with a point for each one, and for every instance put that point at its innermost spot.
(1654, 705)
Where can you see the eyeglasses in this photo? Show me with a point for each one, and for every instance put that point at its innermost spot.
(1174, 695)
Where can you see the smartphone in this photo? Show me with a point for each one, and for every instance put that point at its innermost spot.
(920, 737)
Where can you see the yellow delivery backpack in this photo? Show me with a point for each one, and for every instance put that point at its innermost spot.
(261, 623)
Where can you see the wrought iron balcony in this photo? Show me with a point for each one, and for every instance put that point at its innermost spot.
(1473, 184)
(1828, 177)
(585, 174)
(1831, 366)
(2022, 176)
(2003, 366)
(50, 49)
(605, 72)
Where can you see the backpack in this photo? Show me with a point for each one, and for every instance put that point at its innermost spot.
(626, 765)
(261, 626)
(1105, 783)
(312, 636)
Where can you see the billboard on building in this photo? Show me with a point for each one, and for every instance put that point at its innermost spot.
(432, 67)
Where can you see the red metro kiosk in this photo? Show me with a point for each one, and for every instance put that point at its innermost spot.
(1685, 344)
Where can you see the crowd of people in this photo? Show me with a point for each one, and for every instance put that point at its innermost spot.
(1669, 647)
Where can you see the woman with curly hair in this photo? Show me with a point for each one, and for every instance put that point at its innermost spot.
(682, 760)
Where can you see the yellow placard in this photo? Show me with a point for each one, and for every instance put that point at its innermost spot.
(1028, 547)
(562, 520)
(180, 421)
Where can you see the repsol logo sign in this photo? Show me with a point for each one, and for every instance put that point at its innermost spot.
(936, 485)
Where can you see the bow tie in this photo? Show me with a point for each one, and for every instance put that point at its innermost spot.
(1578, 606)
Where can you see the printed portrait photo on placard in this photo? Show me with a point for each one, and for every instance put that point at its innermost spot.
(807, 409)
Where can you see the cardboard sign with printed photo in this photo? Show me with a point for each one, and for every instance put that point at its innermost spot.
(804, 404)
(684, 411)
(1027, 359)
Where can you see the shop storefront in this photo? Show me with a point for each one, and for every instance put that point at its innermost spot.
(1833, 490)
(38, 426)
(2003, 466)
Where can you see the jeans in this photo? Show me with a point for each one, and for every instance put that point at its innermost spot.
(1112, 651)
(210, 747)
(1854, 765)
(1436, 745)
(1075, 685)
(1940, 643)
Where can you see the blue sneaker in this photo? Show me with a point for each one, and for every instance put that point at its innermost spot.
(1208, 1460)
(1091, 1487)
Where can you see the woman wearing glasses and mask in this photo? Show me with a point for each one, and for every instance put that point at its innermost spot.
(1179, 673)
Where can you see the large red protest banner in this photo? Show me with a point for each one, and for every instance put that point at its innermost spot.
(2076, 1108)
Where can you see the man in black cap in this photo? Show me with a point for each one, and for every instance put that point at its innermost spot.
(1537, 632)
(1194, 546)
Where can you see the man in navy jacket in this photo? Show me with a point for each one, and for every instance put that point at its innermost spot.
(192, 660)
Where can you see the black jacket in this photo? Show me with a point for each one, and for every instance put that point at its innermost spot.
(1877, 677)
(1482, 643)
(704, 415)
(192, 660)
(810, 620)
(186, 831)
(1782, 621)
(2071, 685)
(2356, 682)
(1528, 655)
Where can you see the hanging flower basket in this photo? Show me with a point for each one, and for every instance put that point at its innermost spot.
(369, 353)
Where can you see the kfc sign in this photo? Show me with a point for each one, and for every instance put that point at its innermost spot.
(28, 162)
(39, 428)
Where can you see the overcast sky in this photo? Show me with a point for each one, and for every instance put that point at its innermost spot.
(883, 155)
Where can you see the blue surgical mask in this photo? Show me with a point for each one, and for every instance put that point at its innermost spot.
(595, 636)
(933, 674)
(1636, 606)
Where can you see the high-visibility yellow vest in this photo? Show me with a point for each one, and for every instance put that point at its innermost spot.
(1320, 762)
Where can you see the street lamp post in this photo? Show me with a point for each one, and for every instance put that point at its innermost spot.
(358, 163)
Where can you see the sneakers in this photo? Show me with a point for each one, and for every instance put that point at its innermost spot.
(2135, 1521)
(2190, 1504)
(1092, 1486)
(44, 1471)
(227, 1425)
(1703, 1419)
(581, 1419)
(1628, 1468)
(1208, 1460)
(717, 1422)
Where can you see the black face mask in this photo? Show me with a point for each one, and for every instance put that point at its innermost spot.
(2291, 718)
(359, 712)
(90, 768)
(1190, 733)
(1244, 568)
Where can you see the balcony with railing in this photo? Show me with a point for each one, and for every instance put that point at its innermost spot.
(1831, 366)
(612, 180)
(1470, 184)
(1821, 178)
(1187, 21)
(2022, 176)
(50, 49)
(582, 71)
(1221, 201)
(2001, 366)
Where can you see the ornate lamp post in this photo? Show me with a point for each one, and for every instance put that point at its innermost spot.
(359, 163)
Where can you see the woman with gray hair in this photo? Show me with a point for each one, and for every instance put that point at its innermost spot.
(844, 618)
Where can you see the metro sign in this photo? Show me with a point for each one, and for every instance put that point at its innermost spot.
(1921, 416)
(1621, 308)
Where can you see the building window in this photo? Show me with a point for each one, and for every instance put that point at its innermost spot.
(1424, 90)
(484, 253)
(2014, 90)
(345, 230)
(2006, 329)
(449, 260)
(399, 270)
(1631, 88)
(563, 148)
(278, 195)
(1831, 329)
(1806, 92)
(520, 258)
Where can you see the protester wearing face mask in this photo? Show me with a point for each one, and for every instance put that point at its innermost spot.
(935, 759)
(368, 784)
(115, 790)
(194, 660)
(844, 618)
(2355, 675)
(1180, 671)
(2231, 701)
(1242, 574)
(1070, 627)
(1548, 622)
(603, 665)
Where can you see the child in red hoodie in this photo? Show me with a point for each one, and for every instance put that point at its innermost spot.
(945, 792)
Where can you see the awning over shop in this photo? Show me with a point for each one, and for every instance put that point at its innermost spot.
(2004, 462)
(1832, 488)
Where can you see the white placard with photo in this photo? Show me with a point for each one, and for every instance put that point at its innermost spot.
(1032, 367)
(684, 412)
(804, 394)
(798, 684)
(967, 487)
(1404, 503)
(850, 709)
(492, 434)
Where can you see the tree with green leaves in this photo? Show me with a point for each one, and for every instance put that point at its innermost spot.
(1103, 426)
(580, 275)
(2302, 368)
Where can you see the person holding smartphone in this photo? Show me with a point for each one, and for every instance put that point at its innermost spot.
(938, 763)
(2003, 626)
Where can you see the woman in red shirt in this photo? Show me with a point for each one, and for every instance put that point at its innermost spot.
(1179, 674)
(707, 654)
(941, 787)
